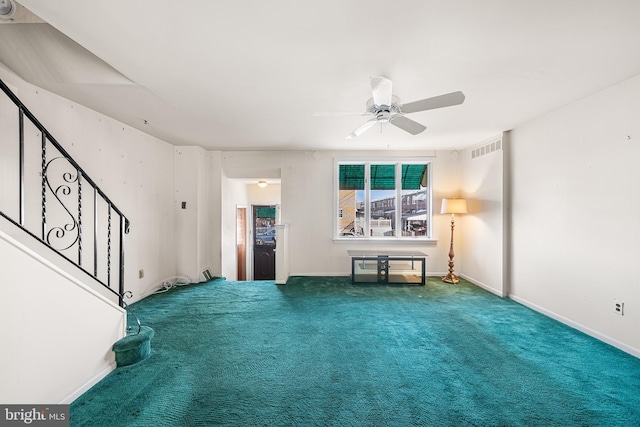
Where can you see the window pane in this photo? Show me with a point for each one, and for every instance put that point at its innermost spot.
(351, 201)
(383, 200)
(414, 200)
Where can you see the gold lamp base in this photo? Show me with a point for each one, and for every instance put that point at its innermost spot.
(452, 206)
(451, 278)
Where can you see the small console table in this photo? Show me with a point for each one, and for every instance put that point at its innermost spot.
(370, 266)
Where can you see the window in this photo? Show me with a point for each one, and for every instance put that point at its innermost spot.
(386, 199)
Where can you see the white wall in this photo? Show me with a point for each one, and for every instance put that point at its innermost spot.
(479, 233)
(134, 169)
(56, 332)
(215, 178)
(198, 183)
(187, 180)
(575, 203)
(269, 195)
(307, 206)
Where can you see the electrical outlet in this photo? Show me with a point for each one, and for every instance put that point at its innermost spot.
(618, 307)
(140, 274)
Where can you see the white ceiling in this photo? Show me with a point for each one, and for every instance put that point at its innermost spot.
(249, 74)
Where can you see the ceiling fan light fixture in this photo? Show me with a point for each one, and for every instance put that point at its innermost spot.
(7, 9)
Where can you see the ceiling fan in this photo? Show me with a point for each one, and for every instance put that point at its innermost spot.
(384, 107)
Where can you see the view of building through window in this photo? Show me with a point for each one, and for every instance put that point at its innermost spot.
(368, 197)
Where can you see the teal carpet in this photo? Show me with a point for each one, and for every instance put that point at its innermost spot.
(321, 352)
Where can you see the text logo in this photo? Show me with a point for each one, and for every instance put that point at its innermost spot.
(34, 415)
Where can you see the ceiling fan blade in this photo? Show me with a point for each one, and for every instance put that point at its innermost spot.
(362, 128)
(381, 88)
(447, 100)
(407, 125)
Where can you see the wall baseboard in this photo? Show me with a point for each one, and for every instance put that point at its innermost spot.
(582, 328)
(484, 286)
(319, 274)
(86, 386)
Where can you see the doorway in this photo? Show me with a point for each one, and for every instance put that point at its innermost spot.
(264, 242)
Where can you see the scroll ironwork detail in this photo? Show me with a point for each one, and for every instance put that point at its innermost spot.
(63, 236)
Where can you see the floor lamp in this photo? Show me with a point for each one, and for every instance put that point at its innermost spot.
(452, 206)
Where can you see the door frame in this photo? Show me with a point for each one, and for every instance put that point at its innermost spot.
(247, 241)
(252, 224)
(248, 231)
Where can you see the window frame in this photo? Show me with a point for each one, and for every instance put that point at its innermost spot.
(397, 162)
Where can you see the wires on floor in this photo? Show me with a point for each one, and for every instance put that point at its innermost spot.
(173, 282)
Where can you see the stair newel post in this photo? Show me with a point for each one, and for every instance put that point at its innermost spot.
(124, 229)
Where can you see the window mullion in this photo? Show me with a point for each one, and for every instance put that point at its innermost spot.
(398, 215)
(429, 202)
(367, 199)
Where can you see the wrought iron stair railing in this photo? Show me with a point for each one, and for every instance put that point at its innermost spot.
(49, 196)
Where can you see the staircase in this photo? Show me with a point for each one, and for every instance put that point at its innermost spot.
(52, 199)
(62, 253)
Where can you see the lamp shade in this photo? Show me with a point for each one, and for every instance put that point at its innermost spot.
(454, 206)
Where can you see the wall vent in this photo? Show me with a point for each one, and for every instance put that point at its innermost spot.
(206, 274)
(486, 148)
